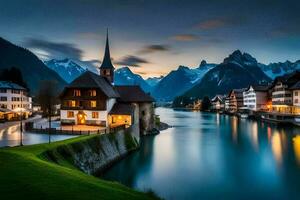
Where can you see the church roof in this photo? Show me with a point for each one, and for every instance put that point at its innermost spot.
(106, 62)
(133, 94)
(90, 80)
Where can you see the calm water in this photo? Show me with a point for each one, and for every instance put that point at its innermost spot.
(11, 137)
(210, 156)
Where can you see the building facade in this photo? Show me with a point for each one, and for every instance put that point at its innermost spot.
(14, 100)
(283, 92)
(218, 103)
(256, 98)
(235, 100)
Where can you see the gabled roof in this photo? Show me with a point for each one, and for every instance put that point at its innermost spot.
(122, 109)
(90, 80)
(296, 86)
(218, 98)
(288, 79)
(10, 85)
(237, 92)
(106, 62)
(133, 94)
(259, 88)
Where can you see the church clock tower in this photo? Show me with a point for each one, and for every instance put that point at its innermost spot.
(107, 68)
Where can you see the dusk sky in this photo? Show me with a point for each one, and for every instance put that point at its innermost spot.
(151, 36)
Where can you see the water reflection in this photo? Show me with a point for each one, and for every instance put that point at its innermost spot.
(209, 156)
(234, 125)
(11, 137)
(296, 143)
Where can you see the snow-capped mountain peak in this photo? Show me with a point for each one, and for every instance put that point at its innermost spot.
(66, 68)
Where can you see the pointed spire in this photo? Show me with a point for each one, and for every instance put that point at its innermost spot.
(106, 62)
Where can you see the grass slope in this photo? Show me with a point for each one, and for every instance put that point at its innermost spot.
(26, 173)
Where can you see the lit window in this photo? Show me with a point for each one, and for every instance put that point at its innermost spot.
(93, 93)
(72, 103)
(93, 104)
(296, 93)
(106, 72)
(77, 93)
(95, 115)
(70, 114)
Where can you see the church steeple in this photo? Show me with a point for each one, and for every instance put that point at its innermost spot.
(107, 68)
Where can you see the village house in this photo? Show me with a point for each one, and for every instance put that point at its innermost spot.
(218, 103)
(282, 89)
(256, 97)
(236, 100)
(14, 100)
(93, 99)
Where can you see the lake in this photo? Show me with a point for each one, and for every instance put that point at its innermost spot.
(212, 156)
(11, 137)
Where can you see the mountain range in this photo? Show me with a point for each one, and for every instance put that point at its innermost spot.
(33, 69)
(238, 70)
(178, 81)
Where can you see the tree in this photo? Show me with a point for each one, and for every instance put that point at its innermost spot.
(47, 98)
(14, 75)
(205, 104)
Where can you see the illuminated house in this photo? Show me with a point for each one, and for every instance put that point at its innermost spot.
(93, 99)
(282, 93)
(14, 100)
(256, 97)
(218, 103)
(236, 100)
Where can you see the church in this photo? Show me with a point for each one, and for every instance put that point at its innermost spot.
(93, 99)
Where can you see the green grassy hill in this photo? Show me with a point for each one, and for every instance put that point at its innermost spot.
(26, 173)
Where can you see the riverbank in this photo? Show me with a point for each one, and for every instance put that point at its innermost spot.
(48, 171)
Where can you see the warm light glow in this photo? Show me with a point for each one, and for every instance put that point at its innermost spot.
(119, 117)
(296, 144)
(234, 122)
(254, 135)
(277, 147)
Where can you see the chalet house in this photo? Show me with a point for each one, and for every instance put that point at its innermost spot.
(218, 103)
(282, 91)
(256, 97)
(14, 99)
(93, 99)
(236, 100)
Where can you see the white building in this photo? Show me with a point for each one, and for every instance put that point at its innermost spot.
(256, 98)
(14, 99)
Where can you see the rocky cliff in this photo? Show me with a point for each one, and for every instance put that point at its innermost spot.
(98, 152)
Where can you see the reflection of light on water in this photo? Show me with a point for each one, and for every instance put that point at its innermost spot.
(277, 147)
(218, 119)
(254, 135)
(234, 124)
(296, 143)
(269, 131)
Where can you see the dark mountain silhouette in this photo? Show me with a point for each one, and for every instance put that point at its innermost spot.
(236, 71)
(32, 68)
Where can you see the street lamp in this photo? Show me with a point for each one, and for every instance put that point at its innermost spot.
(21, 124)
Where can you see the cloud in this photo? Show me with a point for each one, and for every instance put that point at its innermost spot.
(55, 49)
(132, 61)
(216, 23)
(184, 37)
(211, 24)
(154, 48)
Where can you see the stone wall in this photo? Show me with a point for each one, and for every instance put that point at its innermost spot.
(146, 113)
(97, 153)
